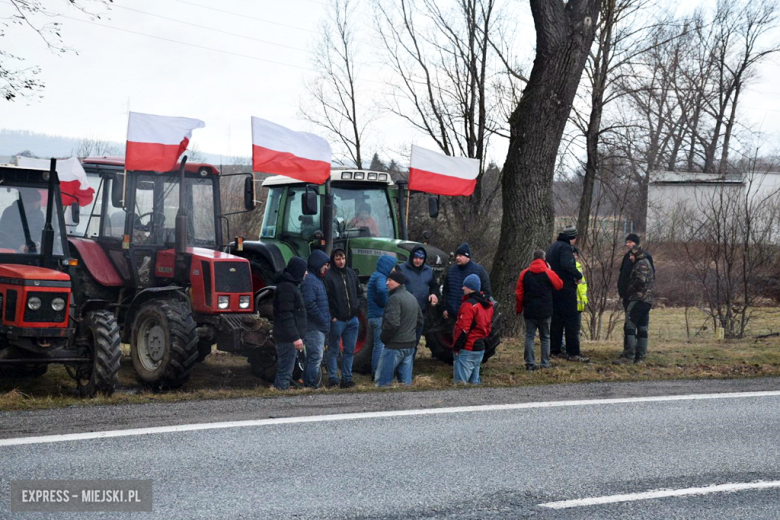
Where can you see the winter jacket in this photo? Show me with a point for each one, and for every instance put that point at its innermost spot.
(582, 291)
(561, 260)
(475, 320)
(315, 298)
(625, 273)
(344, 292)
(289, 309)
(377, 288)
(641, 285)
(401, 319)
(453, 284)
(419, 281)
(534, 291)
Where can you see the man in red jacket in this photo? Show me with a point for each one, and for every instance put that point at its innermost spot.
(475, 319)
(534, 299)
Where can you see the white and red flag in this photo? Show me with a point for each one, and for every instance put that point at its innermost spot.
(281, 151)
(73, 179)
(154, 143)
(440, 174)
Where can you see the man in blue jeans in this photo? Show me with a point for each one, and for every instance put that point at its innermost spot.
(317, 316)
(344, 291)
(289, 320)
(475, 321)
(399, 325)
(377, 298)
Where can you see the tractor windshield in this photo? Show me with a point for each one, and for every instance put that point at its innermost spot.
(363, 210)
(22, 218)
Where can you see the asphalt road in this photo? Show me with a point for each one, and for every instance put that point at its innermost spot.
(478, 464)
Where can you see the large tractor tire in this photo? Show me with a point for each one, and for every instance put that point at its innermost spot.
(102, 333)
(263, 363)
(364, 347)
(438, 336)
(164, 344)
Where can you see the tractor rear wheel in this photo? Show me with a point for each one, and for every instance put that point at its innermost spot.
(263, 363)
(102, 333)
(438, 338)
(164, 344)
(364, 347)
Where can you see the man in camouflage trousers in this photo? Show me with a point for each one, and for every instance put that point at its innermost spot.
(640, 299)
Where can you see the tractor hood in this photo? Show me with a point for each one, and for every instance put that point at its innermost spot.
(32, 273)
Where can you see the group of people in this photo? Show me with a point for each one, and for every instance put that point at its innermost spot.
(552, 293)
(321, 297)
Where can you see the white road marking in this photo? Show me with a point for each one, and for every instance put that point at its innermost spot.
(371, 415)
(661, 493)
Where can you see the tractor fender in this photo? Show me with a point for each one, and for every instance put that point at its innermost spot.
(152, 293)
(268, 252)
(96, 262)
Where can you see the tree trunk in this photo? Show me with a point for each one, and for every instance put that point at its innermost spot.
(564, 34)
(591, 169)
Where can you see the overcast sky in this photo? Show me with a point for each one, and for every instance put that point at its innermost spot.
(138, 57)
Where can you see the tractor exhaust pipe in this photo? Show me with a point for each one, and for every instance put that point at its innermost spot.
(47, 238)
(402, 205)
(181, 215)
(327, 219)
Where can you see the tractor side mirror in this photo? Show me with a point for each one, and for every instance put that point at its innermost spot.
(249, 193)
(309, 201)
(433, 206)
(118, 191)
(75, 216)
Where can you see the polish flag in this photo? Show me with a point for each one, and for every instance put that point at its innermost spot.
(154, 143)
(440, 174)
(281, 151)
(73, 180)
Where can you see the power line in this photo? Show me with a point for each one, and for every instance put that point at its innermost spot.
(245, 16)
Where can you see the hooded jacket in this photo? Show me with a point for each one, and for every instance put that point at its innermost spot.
(625, 273)
(377, 288)
(453, 284)
(641, 286)
(420, 281)
(582, 291)
(344, 291)
(561, 259)
(475, 320)
(401, 319)
(315, 298)
(289, 309)
(534, 291)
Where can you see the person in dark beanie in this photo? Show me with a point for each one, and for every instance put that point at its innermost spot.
(473, 326)
(626, 266)
(315, 298)
(641, 287)
(420, 281)
(565, 318)
(344, 291)
(400, 321)
(453, 282)
(289, 320)
(534, 300)
(377, 299)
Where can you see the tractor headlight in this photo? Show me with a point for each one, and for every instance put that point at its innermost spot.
(33, 303)
(244, 301)
(57, 304)
(223, 302)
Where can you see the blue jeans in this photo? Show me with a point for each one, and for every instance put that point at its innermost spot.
(401, 359)
(376, 354)
(315, 345)
(465, 366)
(544, 338)
(285, 362)
(345, 332)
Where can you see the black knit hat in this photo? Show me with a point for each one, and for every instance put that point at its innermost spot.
(297, 268)
(633, 237)
(464, 249)
(569, 232)
(398, 276)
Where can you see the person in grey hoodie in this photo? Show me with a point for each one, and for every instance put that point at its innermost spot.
(315, 298)
(399, 323)
(377, 298)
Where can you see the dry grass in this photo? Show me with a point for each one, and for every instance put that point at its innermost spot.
(670, 357)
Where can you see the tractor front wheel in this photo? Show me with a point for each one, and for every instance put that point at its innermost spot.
(102, 333)
(164, 344)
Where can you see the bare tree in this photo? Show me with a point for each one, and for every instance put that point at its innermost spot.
(333, 103)
(16, 79)
(92, 146)
(564, 35)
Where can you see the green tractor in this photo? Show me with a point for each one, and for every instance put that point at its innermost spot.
(359, 212)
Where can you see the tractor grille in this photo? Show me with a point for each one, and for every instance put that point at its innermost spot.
(46, 314)
(205, 268)
(10, 305)
(232, 277)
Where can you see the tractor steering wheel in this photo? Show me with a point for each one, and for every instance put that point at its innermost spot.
(137, 224)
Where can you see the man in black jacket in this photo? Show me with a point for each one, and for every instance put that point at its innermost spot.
(344, 294)
(565, 317)
(289, 320)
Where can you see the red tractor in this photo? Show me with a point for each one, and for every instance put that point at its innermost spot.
(151, 246)
(44, 319)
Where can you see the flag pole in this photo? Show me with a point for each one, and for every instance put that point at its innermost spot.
(409, 193)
